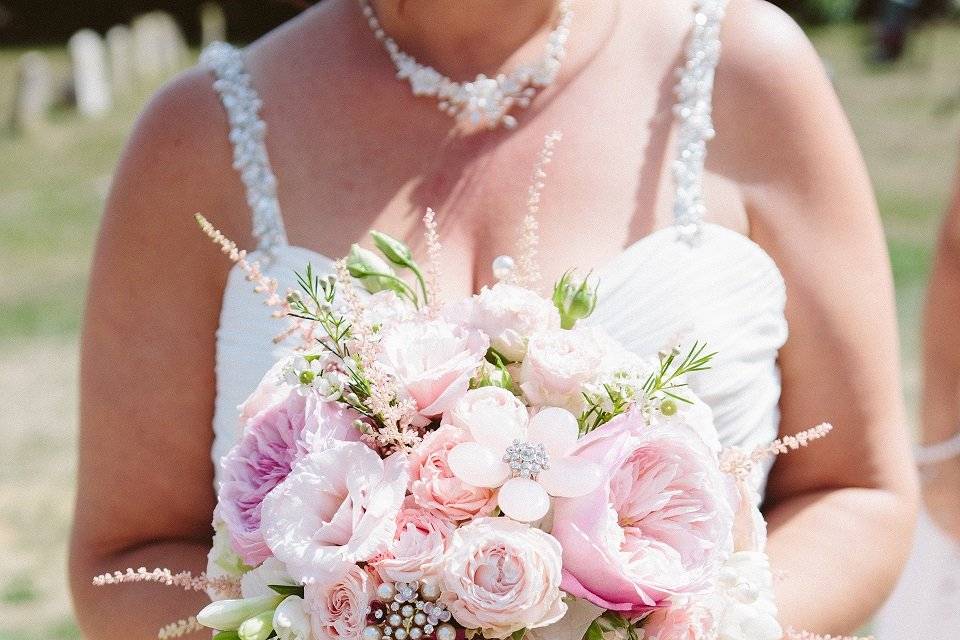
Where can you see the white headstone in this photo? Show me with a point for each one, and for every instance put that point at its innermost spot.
(159, 46)
(120, 50)
(88, 57)
(34, 92)
(213, 23)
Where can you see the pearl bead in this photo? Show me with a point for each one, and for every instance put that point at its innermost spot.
(400, 634)
(746, 593)
(406, 611)
(503, 266)
(371, 632)
(446, 632)
(430, 591)
(419, 619)
(416, 633)
(395, 620)
(386, 591)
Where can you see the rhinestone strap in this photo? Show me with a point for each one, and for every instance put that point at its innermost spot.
(247, 132)
(694, 110)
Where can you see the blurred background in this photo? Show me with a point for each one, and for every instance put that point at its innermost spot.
(73, 76)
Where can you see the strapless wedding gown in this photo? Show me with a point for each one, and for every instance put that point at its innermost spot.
(692, 278)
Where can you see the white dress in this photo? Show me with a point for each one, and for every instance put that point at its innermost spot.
(926, 602)
(698, 278)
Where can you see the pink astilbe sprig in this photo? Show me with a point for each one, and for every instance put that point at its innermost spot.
(527, 271)
(263, 284)
(180, 628)
(434, 256)
(225, 585)
(793, 634)
(740, 463)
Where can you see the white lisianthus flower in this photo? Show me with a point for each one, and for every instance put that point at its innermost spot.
(510, 315)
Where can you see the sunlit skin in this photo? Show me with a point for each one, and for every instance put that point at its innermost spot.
(940, 406)
(353, 150)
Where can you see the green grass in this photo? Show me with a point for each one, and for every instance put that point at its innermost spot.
(52, 188)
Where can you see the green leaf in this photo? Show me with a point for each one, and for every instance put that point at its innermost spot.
(287, 589)
(226, 635)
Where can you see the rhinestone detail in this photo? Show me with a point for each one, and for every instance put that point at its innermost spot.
(526, 459)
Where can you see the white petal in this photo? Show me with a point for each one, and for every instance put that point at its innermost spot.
(477, 465)
(524, 500)
(571, 477)
(556, 429)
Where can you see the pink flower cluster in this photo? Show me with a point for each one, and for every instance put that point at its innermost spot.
(513, 507)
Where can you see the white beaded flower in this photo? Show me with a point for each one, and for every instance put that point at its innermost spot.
(528, 458)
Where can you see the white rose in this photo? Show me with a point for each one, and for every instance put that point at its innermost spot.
(510, 315)
(558, 365)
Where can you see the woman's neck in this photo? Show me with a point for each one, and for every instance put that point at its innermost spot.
(462, 38)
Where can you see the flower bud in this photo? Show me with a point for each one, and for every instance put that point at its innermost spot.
(228, 615)
(258, 627)
(574, 299)
(370, 269)
(395, 251)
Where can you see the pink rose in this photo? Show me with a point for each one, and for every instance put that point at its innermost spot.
(687, 622)
(433, 360)
(558, 365)
(271, 390)
(433, 484)
(338, 606)
(418, 545)
(338, 506)
(658, 528)
(272, 442)
(510, 315)
(500, 576)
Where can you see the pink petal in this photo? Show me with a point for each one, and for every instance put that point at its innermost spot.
(556, 429)
(477, 465)
(524, 500)
(571, 477)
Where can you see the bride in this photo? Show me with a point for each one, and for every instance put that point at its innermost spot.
(780, 229)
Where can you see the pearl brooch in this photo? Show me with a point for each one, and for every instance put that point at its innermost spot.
(484, 101)
(408, 611)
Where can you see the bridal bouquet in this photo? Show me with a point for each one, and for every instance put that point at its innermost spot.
(492, 468)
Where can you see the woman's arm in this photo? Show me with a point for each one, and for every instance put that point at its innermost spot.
(145, 492)
(940, 406)
(841, 512)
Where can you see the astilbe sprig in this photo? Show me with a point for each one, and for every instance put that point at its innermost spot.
(263, 284)
(180, 628)
(740, 463)
(227, 586)
(793, 634)
(527, 270)
(434, 258)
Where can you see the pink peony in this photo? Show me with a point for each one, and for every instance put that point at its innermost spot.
(659, 526)
(433, 484)
(433, 361)
(272, 442)
(500, 576)
(510, 315)
(558, 364)
(338, 607)
(418, 545)
(338, 506)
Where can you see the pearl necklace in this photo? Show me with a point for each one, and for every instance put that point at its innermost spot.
(484, 101)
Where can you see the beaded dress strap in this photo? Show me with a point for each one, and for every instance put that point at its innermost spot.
(247, 132)
(694, 111)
